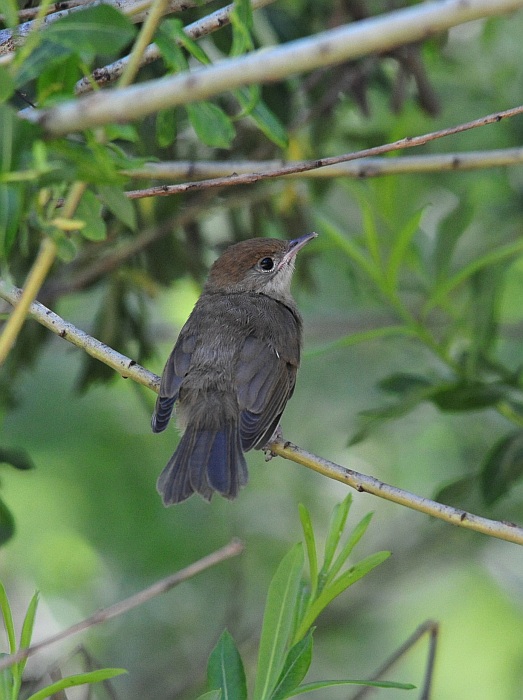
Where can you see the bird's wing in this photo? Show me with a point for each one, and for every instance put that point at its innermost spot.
(265, 382)
(175, 370)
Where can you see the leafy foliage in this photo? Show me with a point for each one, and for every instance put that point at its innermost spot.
(291, 609)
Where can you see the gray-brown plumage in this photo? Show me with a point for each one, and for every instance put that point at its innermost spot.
(232, 370)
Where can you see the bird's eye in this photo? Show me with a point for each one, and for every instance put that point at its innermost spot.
(266, 264)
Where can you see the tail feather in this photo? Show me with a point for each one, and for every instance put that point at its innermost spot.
(205, 461)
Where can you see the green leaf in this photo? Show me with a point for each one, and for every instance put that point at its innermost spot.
(266, 121)
(89, 211)
(468, 396)
(295, 668)
(7, 84)
(165, 40)
(121, 206)
(7, 523)
(27, 630)
(354, 537)
(310, 545)
(450, 229)
(212, 126)
(348, 578)
(211, 695)
(404, 383)
(8, 619)
(166, 130)
(174, 28)
(277, 622)
(351, 249)
(19, 459)
(11, 212)
(503, 467)
(46, 56)
(99, 30)
(399, 249)
(58, 80)
(450, 284)
(225, 670)
(241, 22)
(309, 687)
(336, 527)
(97, 676)
(9, 9)
(6, 681)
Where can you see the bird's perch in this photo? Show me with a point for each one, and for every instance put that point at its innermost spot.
(127, 368)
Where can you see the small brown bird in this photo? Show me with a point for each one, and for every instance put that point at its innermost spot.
(232, 370)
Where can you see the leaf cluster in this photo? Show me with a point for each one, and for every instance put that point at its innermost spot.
(291, 610)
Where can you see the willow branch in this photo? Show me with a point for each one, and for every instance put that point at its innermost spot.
(125, 367)
(365, 484)
(195, 30)
(230, 550)
(265, 65)
(136, 10)
(306, 165)
(361, 169)
(368, 484)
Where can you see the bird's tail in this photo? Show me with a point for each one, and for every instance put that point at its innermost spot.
(204, 462)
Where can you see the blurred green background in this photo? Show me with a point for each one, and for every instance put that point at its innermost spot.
(90, 527)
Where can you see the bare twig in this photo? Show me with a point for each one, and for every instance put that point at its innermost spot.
(195, 30)
(368, 484)
(362, 169)
(306, 165)
(230, 550)
(136, 10)
(93, 347)
(269, 64)
(429, 627)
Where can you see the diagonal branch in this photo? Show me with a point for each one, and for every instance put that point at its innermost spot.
(361, 169)
(128, 368)
(305, 165)
(232, 549)
(326, 48)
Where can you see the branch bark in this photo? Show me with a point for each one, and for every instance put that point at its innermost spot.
(324, 49)
(362, 483)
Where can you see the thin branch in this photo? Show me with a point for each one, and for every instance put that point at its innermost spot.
(31, 12)
(195, 30)
(93, 347)
(268, 64)
(367, 484)
(429, 627)
(362, 169)
(230, 550)
(136, 10)
(306, 165)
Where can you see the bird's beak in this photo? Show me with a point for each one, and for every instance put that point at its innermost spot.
(296, 245)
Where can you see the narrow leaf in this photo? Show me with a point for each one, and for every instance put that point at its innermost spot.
(225, 670)
(337, 524)
(211, 695)
(7, 523)
(212, 126)
(7, 84)
(503, 467)
(399, 250)
(89, 211)
(310, 545)
(115, 200)
(295, 668)
(309, 687)
(27, 630)
(341, 584)
(8, 619)
(346, 551)
(97, 676)
(277, 622)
